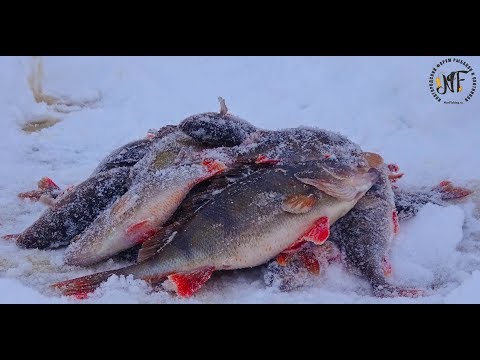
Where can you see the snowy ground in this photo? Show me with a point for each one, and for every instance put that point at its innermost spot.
(383, 103)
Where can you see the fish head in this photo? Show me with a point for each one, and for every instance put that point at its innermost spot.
(338, 179)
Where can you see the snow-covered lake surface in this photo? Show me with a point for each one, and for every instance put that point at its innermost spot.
(382, 103)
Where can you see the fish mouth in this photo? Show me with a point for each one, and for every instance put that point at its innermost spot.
(365, 182)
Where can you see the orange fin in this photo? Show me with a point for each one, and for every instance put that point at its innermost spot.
(299, 204)
(186, 284)
(45, 186)
(141, 232)
(263, 159)
(449, 192)
(319, 232)
(46, 183)
(32, 195)
(82, 286)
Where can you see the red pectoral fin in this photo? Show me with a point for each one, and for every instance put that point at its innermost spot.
(319, 232)
(186, 284)
(140, 232)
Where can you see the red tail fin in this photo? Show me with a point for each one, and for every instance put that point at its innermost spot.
(82, 286)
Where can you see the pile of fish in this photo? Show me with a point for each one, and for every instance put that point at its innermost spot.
(215, 193)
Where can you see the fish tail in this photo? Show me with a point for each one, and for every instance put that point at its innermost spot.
(82, 286)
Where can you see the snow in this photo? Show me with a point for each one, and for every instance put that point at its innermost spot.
(382, 103)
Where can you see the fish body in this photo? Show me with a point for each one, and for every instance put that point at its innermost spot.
(75, 210)
(249, 222)
(160, 182)
(365, 235)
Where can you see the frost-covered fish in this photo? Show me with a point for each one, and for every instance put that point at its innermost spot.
(217, 129)
(75, 210)
(161, 181)
(172, 167)
(247, 224)
(299, 144)
(409, 201)
(253, 144)
(365, 238)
